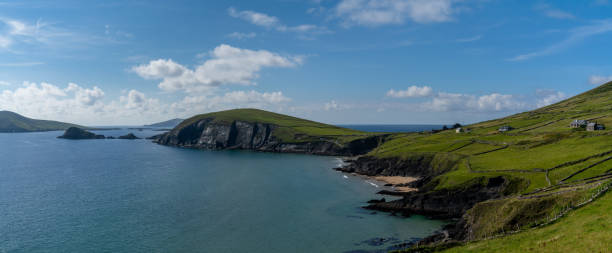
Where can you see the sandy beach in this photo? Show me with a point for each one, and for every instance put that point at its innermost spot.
(398, 180)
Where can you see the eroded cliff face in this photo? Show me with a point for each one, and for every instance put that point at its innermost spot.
(208, 134)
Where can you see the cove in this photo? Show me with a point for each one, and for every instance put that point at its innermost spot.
(136, 196)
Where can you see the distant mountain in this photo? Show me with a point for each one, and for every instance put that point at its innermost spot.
(13, 122)
(168, 123)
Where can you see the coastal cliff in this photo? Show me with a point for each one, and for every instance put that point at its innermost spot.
(207, 133)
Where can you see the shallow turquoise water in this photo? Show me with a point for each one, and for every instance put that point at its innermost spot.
(135, 196)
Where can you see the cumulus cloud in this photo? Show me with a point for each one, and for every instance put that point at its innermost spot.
(597, 80)
(548, 97)
(411, 92)
(85, 96)
(271, 22)
(234, 99)
(89, 106)
(465, 102)
(384, 12)
(227, 65)
(49, 101)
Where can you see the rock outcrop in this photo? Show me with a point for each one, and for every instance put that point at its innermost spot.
(129, 136)
(75, 133)
(209, 134)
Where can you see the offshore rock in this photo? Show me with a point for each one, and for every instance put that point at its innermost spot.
(75, 133)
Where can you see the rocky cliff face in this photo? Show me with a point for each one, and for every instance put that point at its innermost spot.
(208, 134)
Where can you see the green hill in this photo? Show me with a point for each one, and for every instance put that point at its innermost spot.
(289, 129)
(13, 122)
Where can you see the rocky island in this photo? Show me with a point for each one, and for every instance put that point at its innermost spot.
(490, 182)
(75, 133)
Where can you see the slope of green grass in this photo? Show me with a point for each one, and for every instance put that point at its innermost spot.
(587, 229)
(13, 122)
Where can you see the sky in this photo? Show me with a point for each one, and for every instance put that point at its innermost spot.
(334, 61)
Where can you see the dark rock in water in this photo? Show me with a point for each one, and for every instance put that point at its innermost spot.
(377, 201)
(75, 133)
(110, 137)
(129, 136)
(388, 184)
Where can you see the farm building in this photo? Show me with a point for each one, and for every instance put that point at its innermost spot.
(578, 123)
(505, 128)
(462, 130)
(595, 127)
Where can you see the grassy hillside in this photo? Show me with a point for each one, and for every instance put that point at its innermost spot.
(541, 149)
(13, 122)
(587, 229)
(558, 166)
(289, 129)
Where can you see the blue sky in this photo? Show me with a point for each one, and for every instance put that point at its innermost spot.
(342, 61)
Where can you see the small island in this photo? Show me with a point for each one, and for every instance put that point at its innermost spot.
(75, 133)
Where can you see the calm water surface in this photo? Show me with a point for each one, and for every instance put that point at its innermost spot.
(135, 196)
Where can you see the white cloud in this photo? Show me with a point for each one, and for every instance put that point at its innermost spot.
(255, 18)
(85, 96)
(548, 97)
(576, 35)
(239, 35)
(412, 91)
(464, 102)
(4, 83)
(228, 65)
(89, 106)
(597, 80)
(81, 105)
(234, 99)
(383, 12)
(271, 22)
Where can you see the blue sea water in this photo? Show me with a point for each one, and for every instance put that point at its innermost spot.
(61, 195)
(394, 128)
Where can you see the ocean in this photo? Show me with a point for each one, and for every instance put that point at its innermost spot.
(61, 195)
